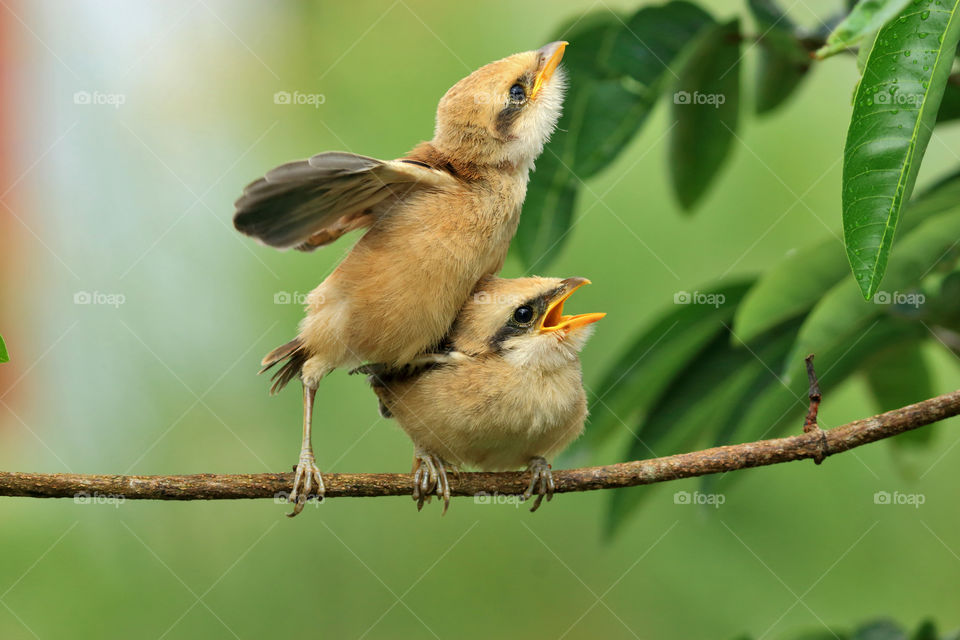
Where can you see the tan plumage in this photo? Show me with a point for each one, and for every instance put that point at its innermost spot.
(439, 219)
(503, 393)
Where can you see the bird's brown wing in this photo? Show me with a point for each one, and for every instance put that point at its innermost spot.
(310, 203)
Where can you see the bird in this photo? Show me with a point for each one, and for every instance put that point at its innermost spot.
(504, 391)
(438, 219)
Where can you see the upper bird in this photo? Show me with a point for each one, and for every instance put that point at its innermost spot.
(439, 218)
(504, 392)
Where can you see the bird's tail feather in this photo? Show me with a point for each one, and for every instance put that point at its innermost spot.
(294, 354)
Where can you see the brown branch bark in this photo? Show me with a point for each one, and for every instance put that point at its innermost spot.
(207, 486)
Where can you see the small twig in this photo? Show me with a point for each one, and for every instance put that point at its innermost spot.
(627, 474)
(810, 424)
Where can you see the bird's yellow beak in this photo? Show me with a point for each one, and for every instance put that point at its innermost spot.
(551, 55)
(554, 320)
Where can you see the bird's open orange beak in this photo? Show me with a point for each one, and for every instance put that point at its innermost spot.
(551, 55)
(554, 320)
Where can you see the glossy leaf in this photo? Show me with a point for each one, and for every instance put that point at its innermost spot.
(616, 73)
(789, 288)
(797, 282)
(950, 103)
(782, 406)
(706, 392)
(842, 312)
(782, 60)
(896, 377)
(867, 17)
(706, 111)
(654, 359)
(893, 116)
(551, 194)
(4, 356)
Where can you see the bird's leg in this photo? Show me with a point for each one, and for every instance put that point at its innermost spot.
(541, 478)
(308, 474)
(429, 476)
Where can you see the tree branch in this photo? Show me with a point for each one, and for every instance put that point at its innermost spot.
(813, 444)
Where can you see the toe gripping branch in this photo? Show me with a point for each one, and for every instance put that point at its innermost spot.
(810, 423)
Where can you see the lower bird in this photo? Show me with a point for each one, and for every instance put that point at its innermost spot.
(504, 392)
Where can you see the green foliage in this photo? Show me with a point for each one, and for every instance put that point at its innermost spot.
(881, 629)
(706, 106)
(704, 364)
(4, 356)
(782, 60)
(894, 112)
(695, 379)
(866, 18)
(617, 73)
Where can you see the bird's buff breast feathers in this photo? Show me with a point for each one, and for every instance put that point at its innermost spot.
(413, 270)
(461, 416)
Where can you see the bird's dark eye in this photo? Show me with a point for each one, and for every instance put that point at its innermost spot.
(518, 93)
(523, 315)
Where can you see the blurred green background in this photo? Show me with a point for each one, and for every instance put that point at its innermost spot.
(126, 197)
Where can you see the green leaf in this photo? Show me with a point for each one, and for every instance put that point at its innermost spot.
(653, 39)
(4, 356)
(706, 392)
(782, 60)
(893, 117)
(795, 283)
(706, 110)
(768, 351)
(867, 17)
(789, 288)
(896, 377)
(842, 312)
(927, 629)
(654, 359)
(782, 406)
(950, 103)
(616, 75)
(880, 630)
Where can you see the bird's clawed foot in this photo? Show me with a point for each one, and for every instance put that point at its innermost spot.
(307, 479)
(541, 480)
(430, 477)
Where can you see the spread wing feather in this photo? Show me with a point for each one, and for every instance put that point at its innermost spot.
(310, 203)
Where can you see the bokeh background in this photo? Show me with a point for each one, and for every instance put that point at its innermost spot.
(135, 317)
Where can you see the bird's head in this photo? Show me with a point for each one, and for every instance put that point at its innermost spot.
(503, 112)
(522, 320)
